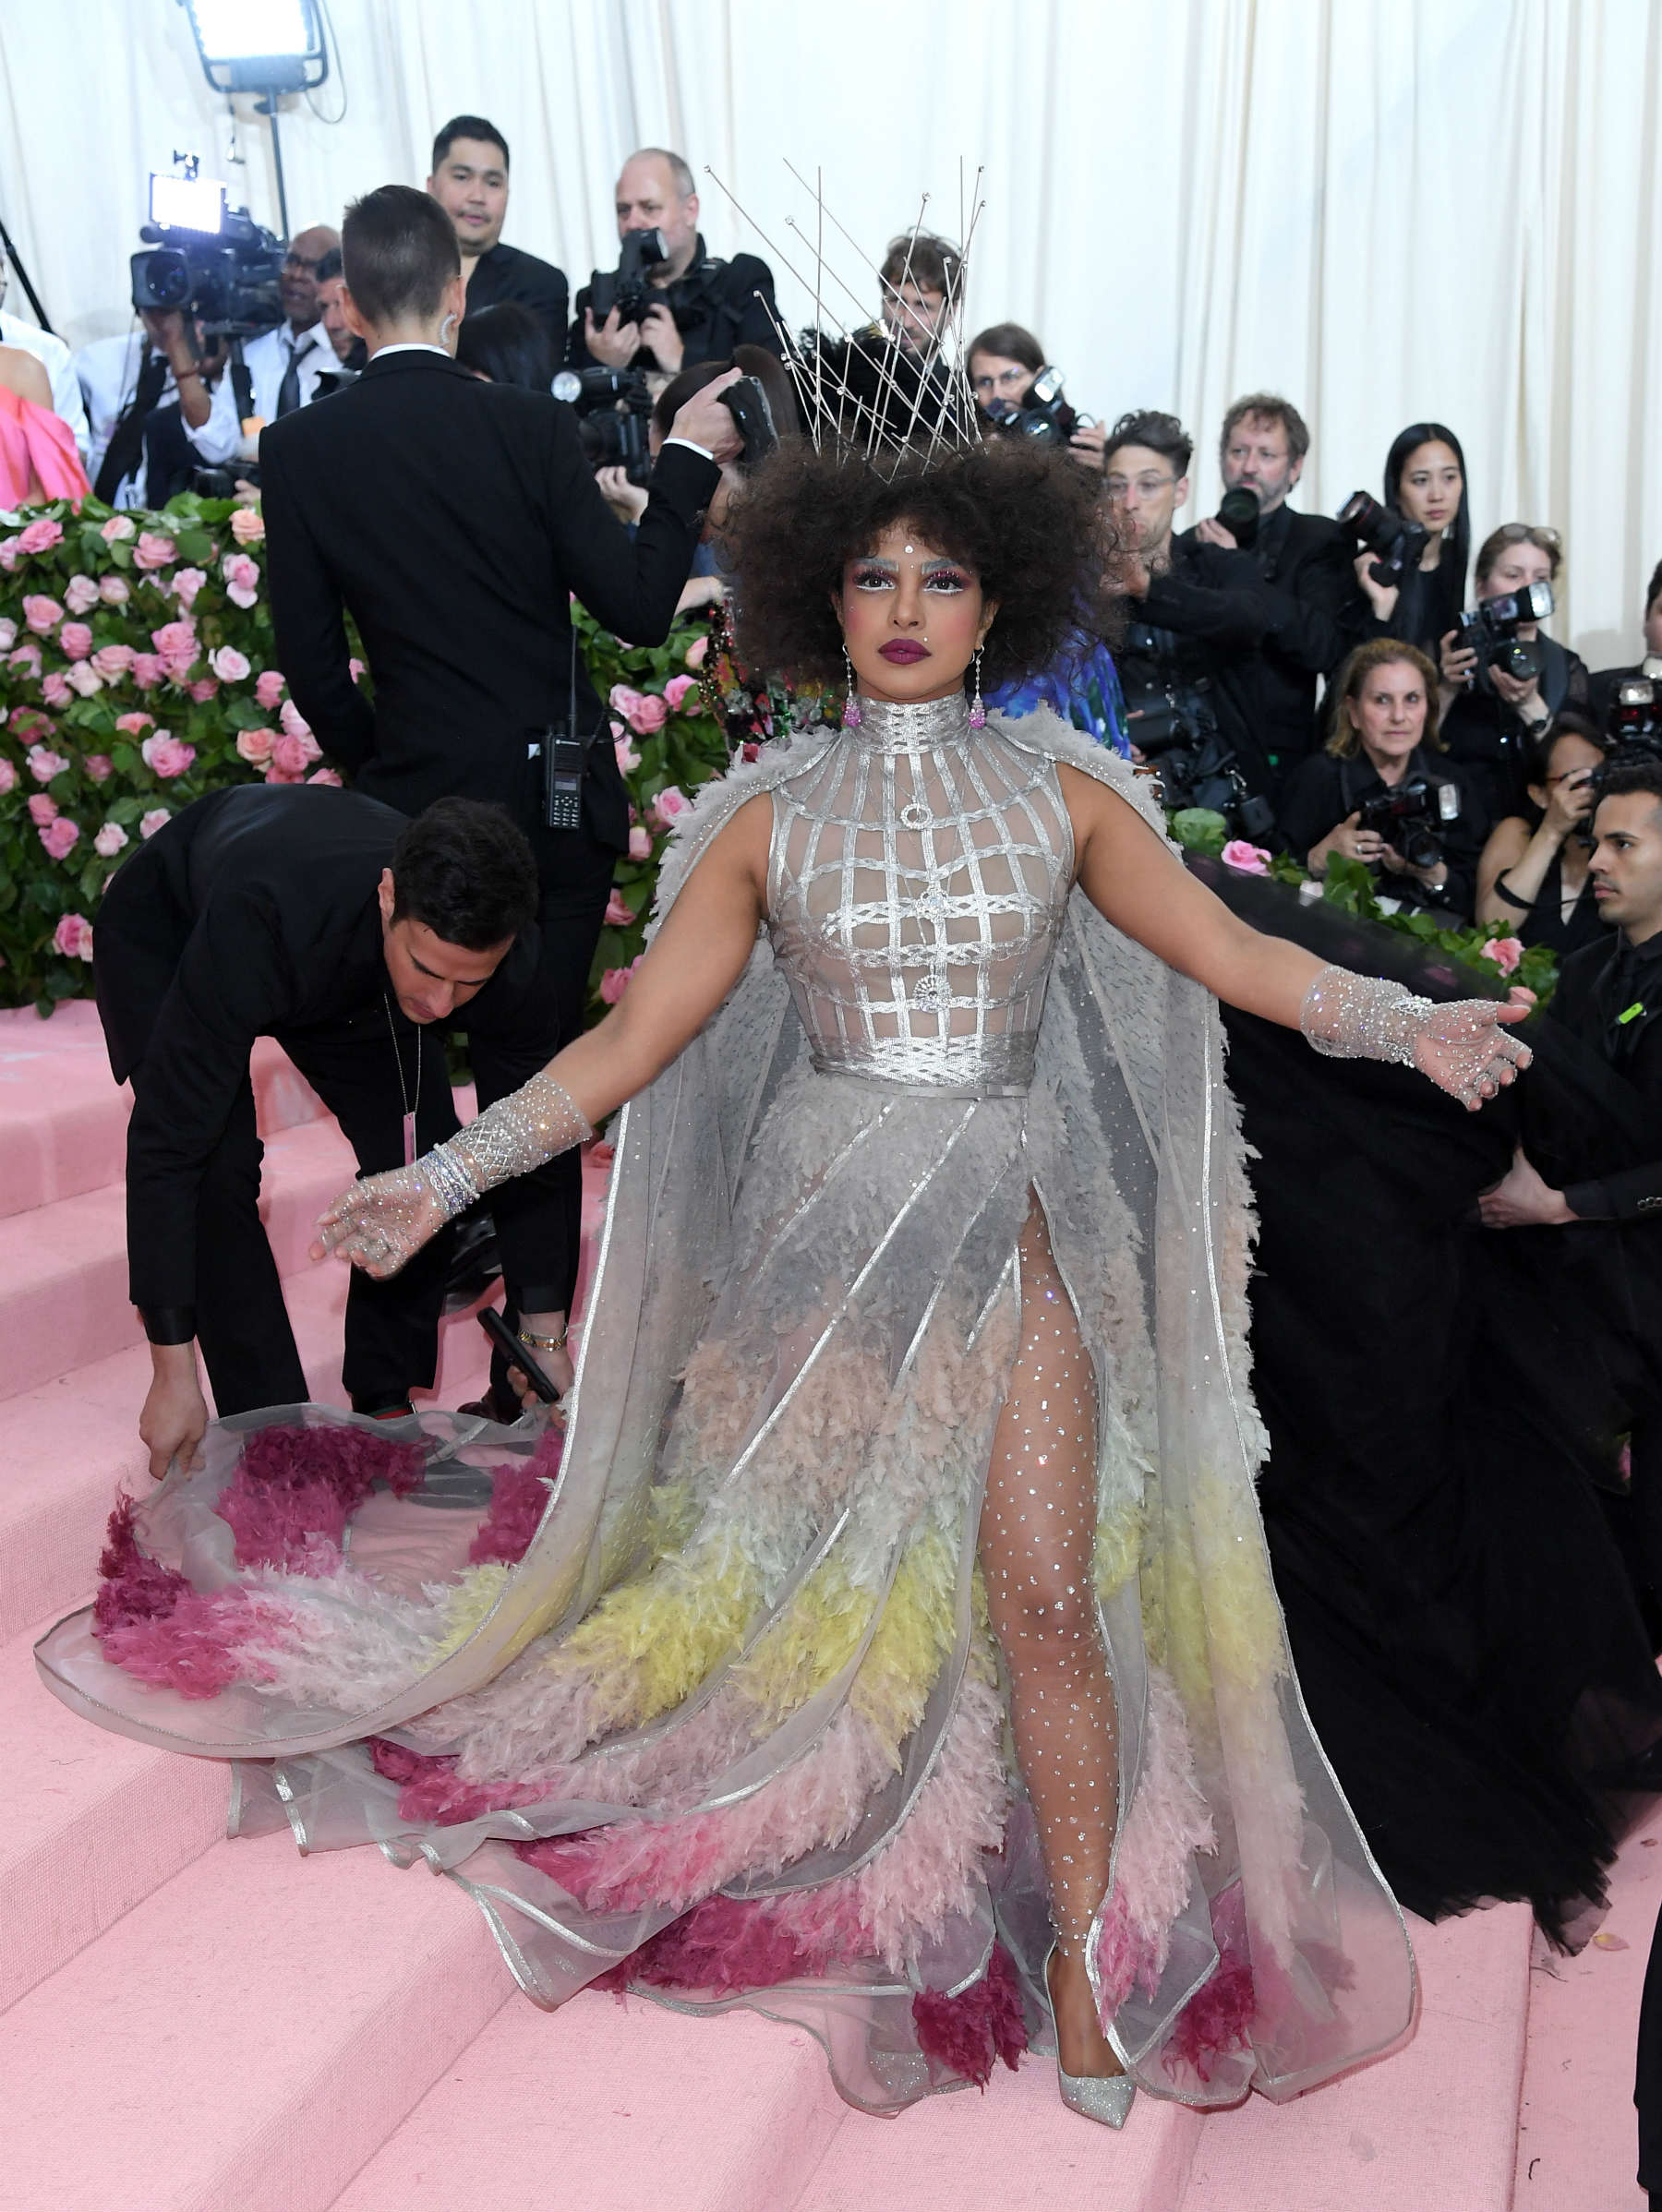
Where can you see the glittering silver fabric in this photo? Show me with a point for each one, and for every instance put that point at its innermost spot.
(918, 882)
(1459, 1045)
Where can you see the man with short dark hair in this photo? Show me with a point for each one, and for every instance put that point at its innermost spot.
(470, 183)
(357, 938)
(704, 307)
(922, 280)
(1601, 686)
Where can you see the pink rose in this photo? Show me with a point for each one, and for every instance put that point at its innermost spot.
(356, 669)
(268, 688)
(615, 982)
(27, 658)
(294, 721)
(60, 837)
(254, 745)
(43, 763)
(176, 666)
(166, 756)
(99, 766)
(40, 535)
(73, 937)
(42, 809)
(1246, 858)
(1505, 952)
(618, 915)
(274, 774)
(9, 776)
(119, 526)
(55, 688)
(175, 641)
(41, 613)
(187, 583)
(112, 662)
(75, 641)
(290, 757)
(150, 823)
(242, 577)
(622, 700)
(670, 802)
(153, 550)
(145, 670)
(8, 553)
(326, 775)
(8, 633)
(228, 664)
(110, 840)
(247, 526)
(204, 689)
(628, 759)
(134, 725)
(84, 678)
(112, 591)
(80, 594)
(640, 844)
(649, 714)
(696, 650)
(750, 750)
(676, 690)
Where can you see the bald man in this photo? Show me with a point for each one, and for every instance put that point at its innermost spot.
(284, 363)
(701, 308)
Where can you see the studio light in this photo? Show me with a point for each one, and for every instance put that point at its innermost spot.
(260, 45)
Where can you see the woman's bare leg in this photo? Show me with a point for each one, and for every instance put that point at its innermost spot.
(1037, 1535)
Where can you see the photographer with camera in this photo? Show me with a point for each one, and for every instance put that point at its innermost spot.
(1018, 394)
(1508, 678)
(1194, 620)
(922, 280)
(1617, 716)
(1411, 571)
(1533, 873)
(1378, 794)
(283, 364)
(470, 182)
(351, 354)
(668, 305)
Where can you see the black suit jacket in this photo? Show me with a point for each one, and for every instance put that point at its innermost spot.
(716, 305)
(453, 519)
(507, 273)
(1596, 986)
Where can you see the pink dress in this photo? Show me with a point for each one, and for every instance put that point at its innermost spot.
(35, 443)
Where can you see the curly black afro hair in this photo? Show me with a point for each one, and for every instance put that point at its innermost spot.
(1029, 520)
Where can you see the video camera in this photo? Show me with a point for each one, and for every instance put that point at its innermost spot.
(1043, 413)
(625, 287)
(614, 416)
(1405, 817)
(1395, 542)
(1490, 630)
(211, 262)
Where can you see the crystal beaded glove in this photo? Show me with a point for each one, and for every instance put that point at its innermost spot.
(383, 1221)
(1461, 1046)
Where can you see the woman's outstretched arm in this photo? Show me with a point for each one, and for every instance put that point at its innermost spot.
(695, 961)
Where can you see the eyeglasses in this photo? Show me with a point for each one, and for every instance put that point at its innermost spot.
(1146, 488)
(295, 260)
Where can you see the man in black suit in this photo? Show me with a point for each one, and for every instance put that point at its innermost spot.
(453, 519)
(470, 183)
(357, 938)
(1304, 581)
(1602, 695)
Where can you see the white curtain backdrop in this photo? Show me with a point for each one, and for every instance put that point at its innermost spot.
(1388, 209)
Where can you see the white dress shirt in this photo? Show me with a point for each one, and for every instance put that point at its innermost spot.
(267, 357)
(60, 368)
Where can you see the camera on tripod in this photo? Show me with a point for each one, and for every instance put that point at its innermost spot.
(1410, 818)
(614, 417)
(1042, 413)
(1395, 542)
(1490, 630)
(211, 262)
(626, 287)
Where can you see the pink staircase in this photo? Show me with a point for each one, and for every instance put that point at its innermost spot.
(192, 2026)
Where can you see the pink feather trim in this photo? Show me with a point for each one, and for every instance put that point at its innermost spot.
(519, 1497)
(430, 1790)
(295, 1488)
(152, 1624)
(965, 2033)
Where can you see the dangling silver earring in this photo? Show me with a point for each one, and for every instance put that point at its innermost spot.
(851, 714)
(977, 711)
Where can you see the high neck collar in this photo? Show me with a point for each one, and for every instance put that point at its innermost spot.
(886, 726)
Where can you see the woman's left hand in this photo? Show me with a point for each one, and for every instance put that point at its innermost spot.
(1382, 597)
(1464, 1049)
(383, 1222)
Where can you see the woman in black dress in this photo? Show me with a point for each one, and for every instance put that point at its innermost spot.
(1534, 874)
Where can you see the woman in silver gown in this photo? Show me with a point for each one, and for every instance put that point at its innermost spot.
(894, 1646)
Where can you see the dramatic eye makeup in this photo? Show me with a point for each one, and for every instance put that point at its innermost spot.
(944, 576)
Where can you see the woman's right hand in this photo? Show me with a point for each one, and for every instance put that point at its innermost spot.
(1568, 801)
(1459, 662)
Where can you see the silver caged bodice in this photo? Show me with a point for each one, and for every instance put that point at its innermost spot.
(917, 881)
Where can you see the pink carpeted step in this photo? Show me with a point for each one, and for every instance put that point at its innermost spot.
(246, 2037)
(93, 1823)
(63, 1121)
(1430, 2128)
(63, 1267)
(622, 2108)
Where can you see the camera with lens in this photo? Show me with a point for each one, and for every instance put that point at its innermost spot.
(626, 287)
(211, 262)
(1410, 818)
(1395, 542)
(1490, 630)
(1238, 512)
(1042, 415)
(1176, 731)
(1634, 714)
(614, 416)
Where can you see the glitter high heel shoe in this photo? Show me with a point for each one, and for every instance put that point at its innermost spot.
(1107, 2097)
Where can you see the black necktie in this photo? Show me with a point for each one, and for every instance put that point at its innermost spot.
(125, 449)
(288, 392)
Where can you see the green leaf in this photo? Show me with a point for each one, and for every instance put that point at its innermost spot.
(194, 546)
(1200, 829)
